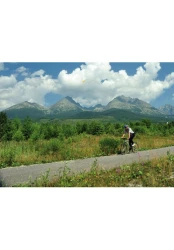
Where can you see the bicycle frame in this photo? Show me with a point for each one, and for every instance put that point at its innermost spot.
(125, 146)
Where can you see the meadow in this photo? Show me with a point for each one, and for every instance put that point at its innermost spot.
(28, 142)
(81, 146)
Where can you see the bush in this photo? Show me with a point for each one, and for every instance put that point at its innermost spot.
(109, 145)
(140, 130)
(52, 146)
(18, 136)
(95, 128)
(8, 157)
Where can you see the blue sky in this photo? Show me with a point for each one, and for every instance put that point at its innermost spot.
(87, 83)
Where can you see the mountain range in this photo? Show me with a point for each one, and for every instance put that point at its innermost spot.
(68, 108)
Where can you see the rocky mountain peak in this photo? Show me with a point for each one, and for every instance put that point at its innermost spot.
(167, 109)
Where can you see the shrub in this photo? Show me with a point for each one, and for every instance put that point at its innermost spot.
(8, 156)
(96, 128)
(18, 136)
(140, 130)
(52, 146)
(68, 130)
(109, 145)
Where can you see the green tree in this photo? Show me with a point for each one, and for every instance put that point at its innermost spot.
(69, 130)
(96, 128)
(110, 128)
(3, 123)
(16, 124)
(8, 133)
(18, 136)
(27, 127)
(36, 134)
(147, 122)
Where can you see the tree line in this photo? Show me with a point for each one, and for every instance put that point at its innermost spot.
(18, 130)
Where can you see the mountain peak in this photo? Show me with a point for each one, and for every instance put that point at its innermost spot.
(123, 98)
(26, 104)
(132, 104)
(167, 109)
(69, 98)
(66, 104)
(72, 101)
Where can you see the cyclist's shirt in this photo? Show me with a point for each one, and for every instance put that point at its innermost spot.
(129, 130)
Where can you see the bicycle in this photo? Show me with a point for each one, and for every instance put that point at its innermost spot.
(125, 147)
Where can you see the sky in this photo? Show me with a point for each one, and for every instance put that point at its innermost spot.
(89, 83)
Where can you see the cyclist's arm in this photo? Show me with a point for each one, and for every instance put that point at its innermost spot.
(125, 132)
(129, 135)
(123, 136)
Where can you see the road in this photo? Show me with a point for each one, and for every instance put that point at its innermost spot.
(13, 175)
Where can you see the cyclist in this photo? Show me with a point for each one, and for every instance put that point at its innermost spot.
(131, 135)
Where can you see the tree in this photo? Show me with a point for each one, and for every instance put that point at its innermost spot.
(95, 128)
(3, 123)
(18, 136)
(147, 122)
(27, 128)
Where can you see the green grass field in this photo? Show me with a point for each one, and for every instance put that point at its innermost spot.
(76, 147)
(156, 173)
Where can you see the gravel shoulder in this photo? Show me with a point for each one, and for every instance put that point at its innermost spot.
(13, 175)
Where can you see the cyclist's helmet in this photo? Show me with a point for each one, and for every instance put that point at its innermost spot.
(125, 126)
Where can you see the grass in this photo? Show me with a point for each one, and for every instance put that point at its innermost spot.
(155, 173)
(77, 147)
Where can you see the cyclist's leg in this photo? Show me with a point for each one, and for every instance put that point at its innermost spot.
(131, 140)
(130, 144)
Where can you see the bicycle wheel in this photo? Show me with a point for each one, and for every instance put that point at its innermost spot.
(135, 147)
(124, 148)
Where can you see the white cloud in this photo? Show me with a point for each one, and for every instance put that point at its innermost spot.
(38, 73)
(96, 83)
(170, 78)
(21, 69)
(1, 66)
(152, 69)
(7, 81)
(31, 88)
(24, 73)
(91, 84)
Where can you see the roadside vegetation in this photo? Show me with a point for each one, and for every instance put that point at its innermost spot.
(24, 142)
(155, 173)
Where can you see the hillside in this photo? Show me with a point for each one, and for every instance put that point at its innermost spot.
(25, 109)
(118, 115)
(120, 108)
(134, 105)
(67, 104)
(167, 109)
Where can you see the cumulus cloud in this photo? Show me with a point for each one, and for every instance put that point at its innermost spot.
(31, 88)
(38, 73)
(7, 81)
(96, 83)
(22, 70)
(1, 66)
(91, 84)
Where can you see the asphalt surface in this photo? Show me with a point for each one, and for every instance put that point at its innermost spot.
(13, 175)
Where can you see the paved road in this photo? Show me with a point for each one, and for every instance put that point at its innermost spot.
(13, 175)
